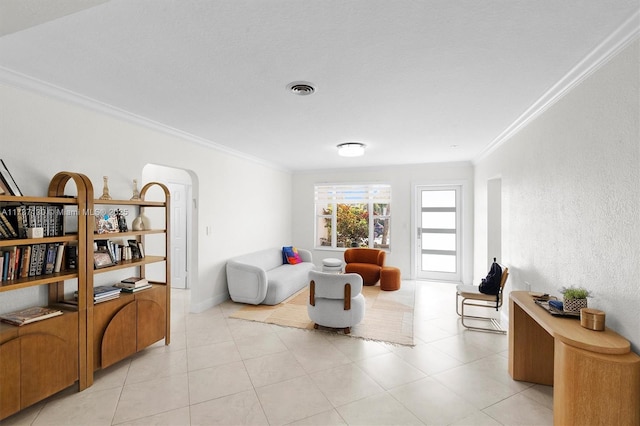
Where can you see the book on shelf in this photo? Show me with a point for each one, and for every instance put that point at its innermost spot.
(133, 282)
(9, 260)
(21, 219)
(33, 262)
(103, 293)
(42, 254)
(17, 263)
(8, 181)
(50, 259)
(59, 257)
(8, 228)
(71, 257)
(26, 262)
(5, 265)
(29, 315)
(133, 289)
(106, 298)
(4, 232)
(1, 267)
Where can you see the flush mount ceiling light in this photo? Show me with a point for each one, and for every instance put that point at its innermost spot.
(301, 88)
(351, 149)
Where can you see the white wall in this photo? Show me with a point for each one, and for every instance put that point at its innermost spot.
(571, 196)
(247, 204)
(403, 180)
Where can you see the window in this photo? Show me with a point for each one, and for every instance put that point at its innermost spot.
(353, 215)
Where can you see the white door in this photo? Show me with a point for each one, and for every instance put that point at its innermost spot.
(438, 233)
(179, 246)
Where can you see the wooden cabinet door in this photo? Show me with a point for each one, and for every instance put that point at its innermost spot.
(134, 326)
(48, 366)
(9, 378)
(119, 339)
(49, 357)
(151, 323)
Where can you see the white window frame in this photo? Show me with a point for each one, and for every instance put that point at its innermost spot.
(334, 194)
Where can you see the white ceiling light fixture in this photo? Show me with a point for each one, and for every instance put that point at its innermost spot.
(301, 88)
(351, 149)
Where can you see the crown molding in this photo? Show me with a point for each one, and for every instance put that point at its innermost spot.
(25, 82)
(628, 32)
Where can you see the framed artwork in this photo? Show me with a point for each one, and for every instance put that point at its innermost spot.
(102, 259)
(106, 224)
(9, 185)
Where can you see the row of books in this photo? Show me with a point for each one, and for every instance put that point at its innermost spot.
(15, 220)
(36, 259)
(129, 250)
(100, 294)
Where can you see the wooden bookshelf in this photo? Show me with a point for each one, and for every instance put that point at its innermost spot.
(45, 357)
(128, 324)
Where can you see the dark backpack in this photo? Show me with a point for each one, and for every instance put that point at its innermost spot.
(491, 284)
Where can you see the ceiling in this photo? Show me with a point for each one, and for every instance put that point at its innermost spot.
(416, 81)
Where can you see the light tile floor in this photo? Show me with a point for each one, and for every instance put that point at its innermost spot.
(223, 371)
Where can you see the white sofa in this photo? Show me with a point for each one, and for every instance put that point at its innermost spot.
(262, 277)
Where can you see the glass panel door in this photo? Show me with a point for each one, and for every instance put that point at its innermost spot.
(438, 233)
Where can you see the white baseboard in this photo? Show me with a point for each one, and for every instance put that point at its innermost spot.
(203, 305)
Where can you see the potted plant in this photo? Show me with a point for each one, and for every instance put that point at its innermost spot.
(574, 298)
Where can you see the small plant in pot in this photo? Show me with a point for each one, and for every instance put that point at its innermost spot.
(574, 298)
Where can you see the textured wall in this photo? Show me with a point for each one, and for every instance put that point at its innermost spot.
(571, 195)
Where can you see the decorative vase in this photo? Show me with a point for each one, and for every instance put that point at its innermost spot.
(140, 223)
(105, 189)
(573, 305)
(136, 193)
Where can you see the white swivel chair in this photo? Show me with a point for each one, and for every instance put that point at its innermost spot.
(335, 300)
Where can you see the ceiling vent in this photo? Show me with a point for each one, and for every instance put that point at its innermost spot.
(301, 88)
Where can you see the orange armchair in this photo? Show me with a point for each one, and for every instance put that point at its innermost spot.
(366, 262)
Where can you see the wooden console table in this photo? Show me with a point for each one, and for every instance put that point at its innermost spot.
(594, 374)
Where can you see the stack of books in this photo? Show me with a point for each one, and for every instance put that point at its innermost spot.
(29, 315)
(103, 293)
(133, 284)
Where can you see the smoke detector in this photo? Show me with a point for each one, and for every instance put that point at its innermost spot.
(301, 88)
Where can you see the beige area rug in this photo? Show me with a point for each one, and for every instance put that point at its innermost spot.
(388, 316)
